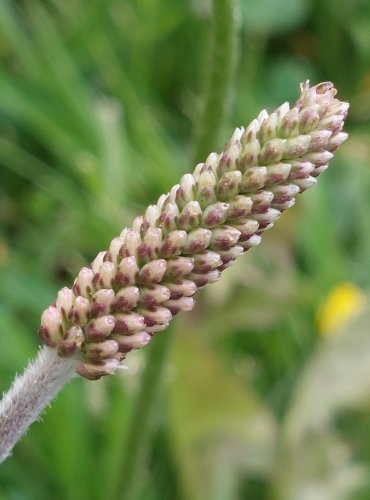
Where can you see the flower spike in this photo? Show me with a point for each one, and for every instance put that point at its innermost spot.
(152, 270)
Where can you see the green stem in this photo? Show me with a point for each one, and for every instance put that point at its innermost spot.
(141, 419)
(222, 61)
(220, 67)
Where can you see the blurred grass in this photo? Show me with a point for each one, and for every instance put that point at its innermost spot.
(99, 114)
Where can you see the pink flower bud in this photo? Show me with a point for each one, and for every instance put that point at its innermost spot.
(115, 247)
(155, 315)
(129, 323)
(102, 302)
(65, 300)
(80, 313)
(229, 185)
(181, 304)
(128, 342)
(179, 267)
(154, 295)
(261, 201)
(127, 272)
(83, 284)
(215, 214)
(100, 350)
(51, 330)
(97, 262)
(152, 272)
(173, 244)
(94, 371)
(182, 288)
(224, 237)
(197, 240)
(240, 206)
(206, 261)
(105, 276)
(127, 298)
(254, 178)
(272, 151)
(100, 328)
(191, 216)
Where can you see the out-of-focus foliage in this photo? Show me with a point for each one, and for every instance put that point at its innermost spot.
(99, 101)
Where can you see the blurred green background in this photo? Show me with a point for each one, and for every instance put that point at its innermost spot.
(265, 390)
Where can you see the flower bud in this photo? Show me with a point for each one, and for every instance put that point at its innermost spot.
(231, 254)
(51, 330)
(80, 312)
(288, 126)
(284, 192)
(186, 192)
(202, 279)
(100, 328)
(127, 298)
(253, 241)
(206, 261)
(261, 201)
(83, 284)
(65, 300)
(296, 146)
(272, 151)
(319, 139)
(181, 288)
(102, 302)
(154, 295)
(150, 247)
(127, 272)
(132, 242)
(129, 323)
(197, 240)
(128, 342)
(179, 267)
(181, 304)
(152, 272)
(336, 140)
(151, 216)
(114, 248)
(277, 173)
(100, 350)
(105, 277)
(206, 189)
(97, 262)
(190, 217)
(246, 228)
(267, 217)
(301, 169)
(319, 158)
(173, 244)
(215, 214)
(224, 237)
(94, 371)
(229, 185)
(254, 178)
(240, 206)
(155, 315)
(308, 119)
(168, 218)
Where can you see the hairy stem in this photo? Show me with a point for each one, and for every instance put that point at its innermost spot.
(220, 63)
(141, 417)
(29, 394)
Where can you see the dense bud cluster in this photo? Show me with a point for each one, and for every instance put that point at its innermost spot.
(152, 270)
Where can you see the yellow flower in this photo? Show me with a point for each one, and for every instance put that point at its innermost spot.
(343, 302)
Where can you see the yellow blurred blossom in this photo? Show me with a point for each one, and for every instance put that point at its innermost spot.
(343, 302)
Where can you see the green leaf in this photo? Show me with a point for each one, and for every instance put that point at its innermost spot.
(274, 16)
(219, 427)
